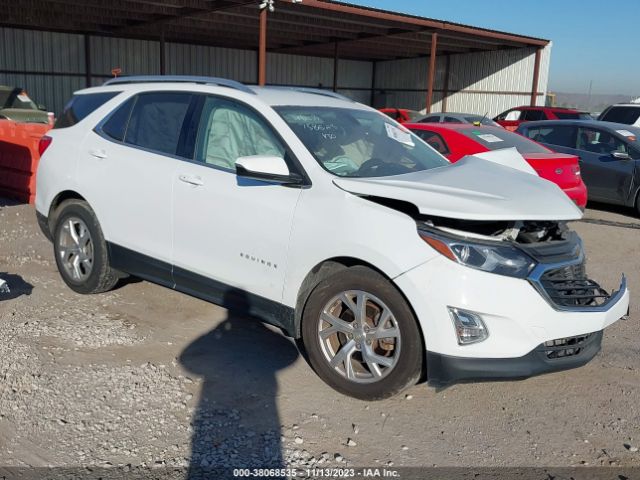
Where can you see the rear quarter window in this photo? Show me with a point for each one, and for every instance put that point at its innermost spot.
(115, 126)
(81, 106)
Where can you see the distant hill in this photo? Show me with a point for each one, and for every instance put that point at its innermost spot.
(597, 103)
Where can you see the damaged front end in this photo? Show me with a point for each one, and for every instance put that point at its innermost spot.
(549, 255)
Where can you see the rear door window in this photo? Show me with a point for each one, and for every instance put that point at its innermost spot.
(80, 106)
(572, 116)
(533, 115)
(156, 121)
(561, 135)
(622, 114)
(431, 119)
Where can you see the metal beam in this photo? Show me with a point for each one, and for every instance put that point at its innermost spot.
(262, 49)
(87, 60)
(335, 65)
(536, 77)
(432, 70)
(445, 94)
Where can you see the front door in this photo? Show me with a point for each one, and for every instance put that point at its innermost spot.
(231, 234)
(607, 178)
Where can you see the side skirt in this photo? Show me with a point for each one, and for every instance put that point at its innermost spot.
(232, 298)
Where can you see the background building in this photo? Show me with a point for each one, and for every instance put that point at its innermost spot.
(54, 47)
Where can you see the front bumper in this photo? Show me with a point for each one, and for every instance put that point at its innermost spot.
(518, 318)
(444, 369)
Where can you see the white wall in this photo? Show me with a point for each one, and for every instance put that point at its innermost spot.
(505, 78)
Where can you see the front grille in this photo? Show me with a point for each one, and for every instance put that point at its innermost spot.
(566, 347)
(569, 286)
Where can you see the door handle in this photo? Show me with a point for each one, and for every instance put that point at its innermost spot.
(191, 180)
(98, 153)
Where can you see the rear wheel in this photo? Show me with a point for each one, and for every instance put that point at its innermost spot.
(80, 249)
(360, 335)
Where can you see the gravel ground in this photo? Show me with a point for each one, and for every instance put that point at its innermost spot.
(147, 377)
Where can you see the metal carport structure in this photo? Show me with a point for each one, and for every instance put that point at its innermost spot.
(422, 57)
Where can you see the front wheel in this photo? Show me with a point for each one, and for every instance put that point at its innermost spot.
(360, 335)
(80, 249)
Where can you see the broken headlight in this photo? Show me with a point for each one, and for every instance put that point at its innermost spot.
(502, 259)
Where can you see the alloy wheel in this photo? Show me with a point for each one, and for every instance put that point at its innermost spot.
(75, 249)
(359, 336)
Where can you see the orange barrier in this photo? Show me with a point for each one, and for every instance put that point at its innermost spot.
(19, 158)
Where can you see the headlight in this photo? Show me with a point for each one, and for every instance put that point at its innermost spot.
(500, 259)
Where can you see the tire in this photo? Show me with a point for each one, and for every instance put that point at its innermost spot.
(366, 365)
(80, 250)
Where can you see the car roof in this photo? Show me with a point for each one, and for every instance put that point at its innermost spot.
(457, 114)
(583, 123)
(452, 126)
(270, 95)
(548, 109)
(630, 104)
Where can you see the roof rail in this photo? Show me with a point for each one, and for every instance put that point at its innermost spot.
(220, 82)
(315, 91)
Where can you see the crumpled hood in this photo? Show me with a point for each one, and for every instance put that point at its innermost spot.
(471, 189)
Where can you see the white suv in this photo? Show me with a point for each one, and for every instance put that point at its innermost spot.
(328, 219)
(626, 113)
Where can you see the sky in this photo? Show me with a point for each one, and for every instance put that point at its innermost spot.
(593, 40)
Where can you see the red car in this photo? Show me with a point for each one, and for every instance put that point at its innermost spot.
(511, 119)
(402, 115)
(455, 141)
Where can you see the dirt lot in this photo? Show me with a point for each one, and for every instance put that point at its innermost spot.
(147, 376)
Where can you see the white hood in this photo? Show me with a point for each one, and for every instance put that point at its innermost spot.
(472, 189)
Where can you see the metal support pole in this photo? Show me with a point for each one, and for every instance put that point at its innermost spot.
(163, 69)
(335, 66)
(262, 49)
(432, 70)
(536, 77)
(445, 94)
(373, 83)
(87, 60)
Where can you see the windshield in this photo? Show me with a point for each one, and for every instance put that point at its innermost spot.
(499, 138)
(359, 143)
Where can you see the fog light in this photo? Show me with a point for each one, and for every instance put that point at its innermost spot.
(469, 326)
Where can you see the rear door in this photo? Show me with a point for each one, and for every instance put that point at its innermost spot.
(607, 178)
(130, 158)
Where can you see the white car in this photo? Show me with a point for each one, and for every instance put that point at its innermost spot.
(626, 113)
(328, 219)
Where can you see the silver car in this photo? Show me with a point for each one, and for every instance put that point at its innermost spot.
(450, 117)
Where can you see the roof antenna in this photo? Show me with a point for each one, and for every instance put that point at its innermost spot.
(478, 124)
